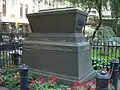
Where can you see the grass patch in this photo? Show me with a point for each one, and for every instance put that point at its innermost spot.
(105, 55)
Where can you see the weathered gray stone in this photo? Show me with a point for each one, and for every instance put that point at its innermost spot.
(60, 50)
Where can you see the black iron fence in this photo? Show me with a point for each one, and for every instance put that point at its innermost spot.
(11, 46)
(103, 52)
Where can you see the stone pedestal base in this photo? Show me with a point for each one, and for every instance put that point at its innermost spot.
(67, 60)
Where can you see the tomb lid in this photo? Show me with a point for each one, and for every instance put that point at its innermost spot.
(65, 20)
(58, 11)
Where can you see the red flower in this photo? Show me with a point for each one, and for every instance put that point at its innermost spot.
(85, 86)
(17, 78)
(94, 81)
(51, 81)
(12, 77)
(80, 85)
(42, 79)
(110, 82)
(103, 69)
(32, 80)
(109, 71)
(76, 83)
(55, 79)
(84, 81)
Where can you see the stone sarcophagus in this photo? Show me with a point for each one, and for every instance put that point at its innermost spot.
(57, 47)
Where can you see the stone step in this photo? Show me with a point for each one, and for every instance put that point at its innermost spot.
(118, 85)
(4, 88)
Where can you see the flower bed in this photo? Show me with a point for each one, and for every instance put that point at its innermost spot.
(10, 78)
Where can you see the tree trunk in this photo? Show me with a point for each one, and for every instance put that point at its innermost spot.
(116, 21)
(99, 24)
(100, 18)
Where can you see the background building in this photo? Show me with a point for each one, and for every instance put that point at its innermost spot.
(13, 13)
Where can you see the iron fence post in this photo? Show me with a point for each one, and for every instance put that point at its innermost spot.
(102, 80)
(24, 77)
(119, 69)
(15, 58)
(114, 72)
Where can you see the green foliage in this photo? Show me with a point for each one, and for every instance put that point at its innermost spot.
(115, 8)
(99, 5)
(88, 4)
(111, 88)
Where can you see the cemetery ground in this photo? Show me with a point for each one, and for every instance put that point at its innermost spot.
(10, 78)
